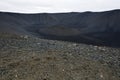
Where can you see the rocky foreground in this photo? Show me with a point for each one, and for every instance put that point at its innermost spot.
(29, 58)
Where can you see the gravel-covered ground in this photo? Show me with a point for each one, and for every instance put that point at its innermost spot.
(29, 58)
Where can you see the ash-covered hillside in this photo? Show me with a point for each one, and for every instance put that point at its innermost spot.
(99, 28)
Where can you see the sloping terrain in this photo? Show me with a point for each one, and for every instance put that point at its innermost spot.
(31, 58)
(98, 28)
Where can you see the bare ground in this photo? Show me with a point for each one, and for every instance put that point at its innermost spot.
(26, 58)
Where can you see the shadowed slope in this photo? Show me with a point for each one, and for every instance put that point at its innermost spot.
(99, 28)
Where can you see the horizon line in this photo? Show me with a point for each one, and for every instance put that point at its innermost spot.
(17, 12)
